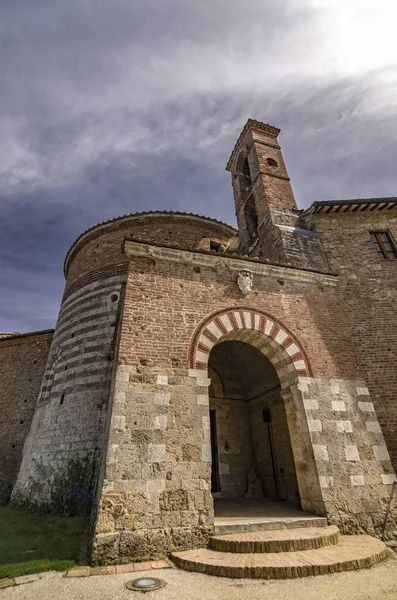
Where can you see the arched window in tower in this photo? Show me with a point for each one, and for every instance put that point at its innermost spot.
(246, 171)
(251, 217)
(271, 162)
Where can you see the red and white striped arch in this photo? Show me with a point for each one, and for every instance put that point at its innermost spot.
(256, 328)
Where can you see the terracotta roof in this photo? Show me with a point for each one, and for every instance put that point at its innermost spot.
(351, 205)
(251, 124)
(143, 214)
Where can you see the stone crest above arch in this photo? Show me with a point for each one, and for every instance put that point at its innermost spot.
(256, 328)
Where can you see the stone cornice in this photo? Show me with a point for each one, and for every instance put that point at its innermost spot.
(223, 262)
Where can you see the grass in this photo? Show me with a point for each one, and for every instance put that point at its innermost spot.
(30, 543)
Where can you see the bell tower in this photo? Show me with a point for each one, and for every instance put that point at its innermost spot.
(262, 191)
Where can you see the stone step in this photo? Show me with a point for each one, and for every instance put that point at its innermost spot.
(266, 524)
(351, 553)
(287, 540)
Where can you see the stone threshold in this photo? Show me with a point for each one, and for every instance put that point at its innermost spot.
(83, 571)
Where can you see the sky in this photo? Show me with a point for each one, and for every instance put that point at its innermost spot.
(110, 107)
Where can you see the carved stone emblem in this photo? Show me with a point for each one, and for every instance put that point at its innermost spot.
(244, 282)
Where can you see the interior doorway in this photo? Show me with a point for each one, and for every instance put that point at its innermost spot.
(249, 431)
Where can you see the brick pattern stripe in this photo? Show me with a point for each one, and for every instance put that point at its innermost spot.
(225, 322)
(292, 540)
(352, 553)
(68, 426)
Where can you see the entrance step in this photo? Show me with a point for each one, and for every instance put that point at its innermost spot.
(224, 526)
(290, 540)
(351, 553)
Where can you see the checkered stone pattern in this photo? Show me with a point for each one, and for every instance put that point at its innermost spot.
(155, 493)
(352, 461)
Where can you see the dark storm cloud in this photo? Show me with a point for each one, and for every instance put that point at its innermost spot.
(114, 107)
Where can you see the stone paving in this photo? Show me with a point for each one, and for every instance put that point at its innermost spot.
(377, 583)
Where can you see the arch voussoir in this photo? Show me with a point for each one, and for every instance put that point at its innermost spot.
(257, 328)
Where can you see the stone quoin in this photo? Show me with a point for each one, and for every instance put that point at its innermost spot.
(189, 354)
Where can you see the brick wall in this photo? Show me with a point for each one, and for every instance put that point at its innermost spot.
(99, 252)
(22, 362)
(368, 300)
(155, 495)
(165, 302)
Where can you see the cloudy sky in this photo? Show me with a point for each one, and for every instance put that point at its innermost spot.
(116, 106)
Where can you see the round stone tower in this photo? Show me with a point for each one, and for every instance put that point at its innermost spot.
(62, 452)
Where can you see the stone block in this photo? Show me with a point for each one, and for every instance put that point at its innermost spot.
(128, 568)
(203, 382)
(326, 481)
(303, 387)
(105, 548)
(344, 427)
(351, 453)
(366, 407)
(310, 403)
(362, 391)
(106, 570)
(147, 544)
(118, 422)
(314, 425)
(162, 399)
(357, 480)
(338, 406)
(202, 399)
(156, 453)
(160, 422)
(5, 583)
(388, 478)
(381, 453)
(160, 564)
(154, 485)
(113, 453)
(373, 426)
(320, 452)
(175, 500)
(36, 577)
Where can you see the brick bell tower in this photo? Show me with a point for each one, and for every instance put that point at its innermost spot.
(262, 190)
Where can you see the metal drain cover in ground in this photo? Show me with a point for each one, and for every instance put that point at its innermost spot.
(145, 584)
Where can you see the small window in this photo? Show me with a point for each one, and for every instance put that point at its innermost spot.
(246, 171)
(251, 218)
(215, 246)
(384, 245)
(271, 162)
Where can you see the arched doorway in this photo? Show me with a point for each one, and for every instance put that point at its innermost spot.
(277, 354)
(249, 429)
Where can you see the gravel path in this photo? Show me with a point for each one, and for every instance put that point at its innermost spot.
(379, 582)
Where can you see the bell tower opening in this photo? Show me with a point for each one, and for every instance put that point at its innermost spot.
(251, 448)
